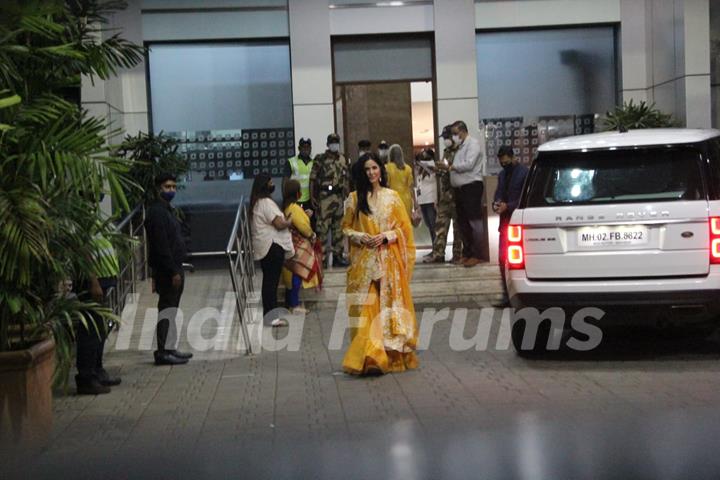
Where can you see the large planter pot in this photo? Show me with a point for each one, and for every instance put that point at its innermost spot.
(26, 394)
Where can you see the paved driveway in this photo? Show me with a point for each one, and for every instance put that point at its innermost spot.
(223, 402)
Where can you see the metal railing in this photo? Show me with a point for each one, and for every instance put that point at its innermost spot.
(242, 267)
(134, 267)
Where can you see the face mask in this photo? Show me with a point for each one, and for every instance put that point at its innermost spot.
(456, 139)
(167, 196)
(269, 189)
(334, 147)
(448, 143)
(303, 155)
(383, 153)
(361, 153)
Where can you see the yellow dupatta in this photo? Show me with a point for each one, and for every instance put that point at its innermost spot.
(384, 336)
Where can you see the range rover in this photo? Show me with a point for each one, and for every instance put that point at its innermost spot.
(626, 222)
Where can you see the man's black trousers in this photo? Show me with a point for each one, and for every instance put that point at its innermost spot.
(168, 304)
(468, 202)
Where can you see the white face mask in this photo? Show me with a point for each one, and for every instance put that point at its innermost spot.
(382, 153)
(334, 147)
(361, 153)
(448, 143)
(456, 139)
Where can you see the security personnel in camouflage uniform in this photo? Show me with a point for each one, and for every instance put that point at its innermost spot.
(446, 210)
(329, 186)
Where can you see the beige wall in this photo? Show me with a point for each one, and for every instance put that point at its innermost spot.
(536, 13)
(664, 48)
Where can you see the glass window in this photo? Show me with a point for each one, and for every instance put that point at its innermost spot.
(220, 86)
(599, 177)
(568, 71)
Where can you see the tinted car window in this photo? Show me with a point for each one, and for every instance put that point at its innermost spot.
(619, 176)
(713, 160)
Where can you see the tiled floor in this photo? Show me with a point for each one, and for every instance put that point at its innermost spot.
(268, 408)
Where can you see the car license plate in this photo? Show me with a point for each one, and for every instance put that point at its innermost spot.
(611, 236)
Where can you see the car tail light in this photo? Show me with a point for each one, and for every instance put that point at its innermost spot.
(516, 254)
(714, 239)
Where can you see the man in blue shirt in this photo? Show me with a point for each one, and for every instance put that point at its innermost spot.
(507, 197)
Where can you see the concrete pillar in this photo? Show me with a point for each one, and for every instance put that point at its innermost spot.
(695, 48)
(666, 57)
(456, 71)
(635, 43)
(311, 64)
(132, 82)
(121, 100)
(456, 63)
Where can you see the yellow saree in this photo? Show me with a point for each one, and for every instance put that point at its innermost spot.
(381, 310)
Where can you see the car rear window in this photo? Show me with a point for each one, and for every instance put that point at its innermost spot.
(615, 176)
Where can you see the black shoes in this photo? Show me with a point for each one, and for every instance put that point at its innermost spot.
(340, 262)
(97, 383)
(166, 357)
(90, 386)
(105, 379)
(179, 354)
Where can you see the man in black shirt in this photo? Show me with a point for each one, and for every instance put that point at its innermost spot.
(507, 198)
(166, 253)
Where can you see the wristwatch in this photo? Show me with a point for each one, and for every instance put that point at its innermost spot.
(385, 241)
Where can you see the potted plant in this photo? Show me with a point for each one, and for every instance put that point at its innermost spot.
(150, 154)
(54, 164)
(632, 116)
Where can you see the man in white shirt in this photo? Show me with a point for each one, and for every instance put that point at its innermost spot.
(466, 176)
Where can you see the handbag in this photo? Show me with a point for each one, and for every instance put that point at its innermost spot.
(416, 218)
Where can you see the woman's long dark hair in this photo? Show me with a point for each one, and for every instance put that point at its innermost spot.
(258, 191)
(363, 183)
(291, 189)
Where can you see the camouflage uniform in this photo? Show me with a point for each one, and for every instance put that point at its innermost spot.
(445, 212)
(329, 182)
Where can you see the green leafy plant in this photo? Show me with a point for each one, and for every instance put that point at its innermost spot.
(54, 165)
(633, 116)
(151, 154)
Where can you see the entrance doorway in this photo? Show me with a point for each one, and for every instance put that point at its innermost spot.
(383, 90)
(398, 112)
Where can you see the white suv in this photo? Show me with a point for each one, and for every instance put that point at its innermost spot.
(625, 222)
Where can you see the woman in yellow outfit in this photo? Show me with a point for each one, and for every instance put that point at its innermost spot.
(303, 270)
(382, 257)
(401, 179)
